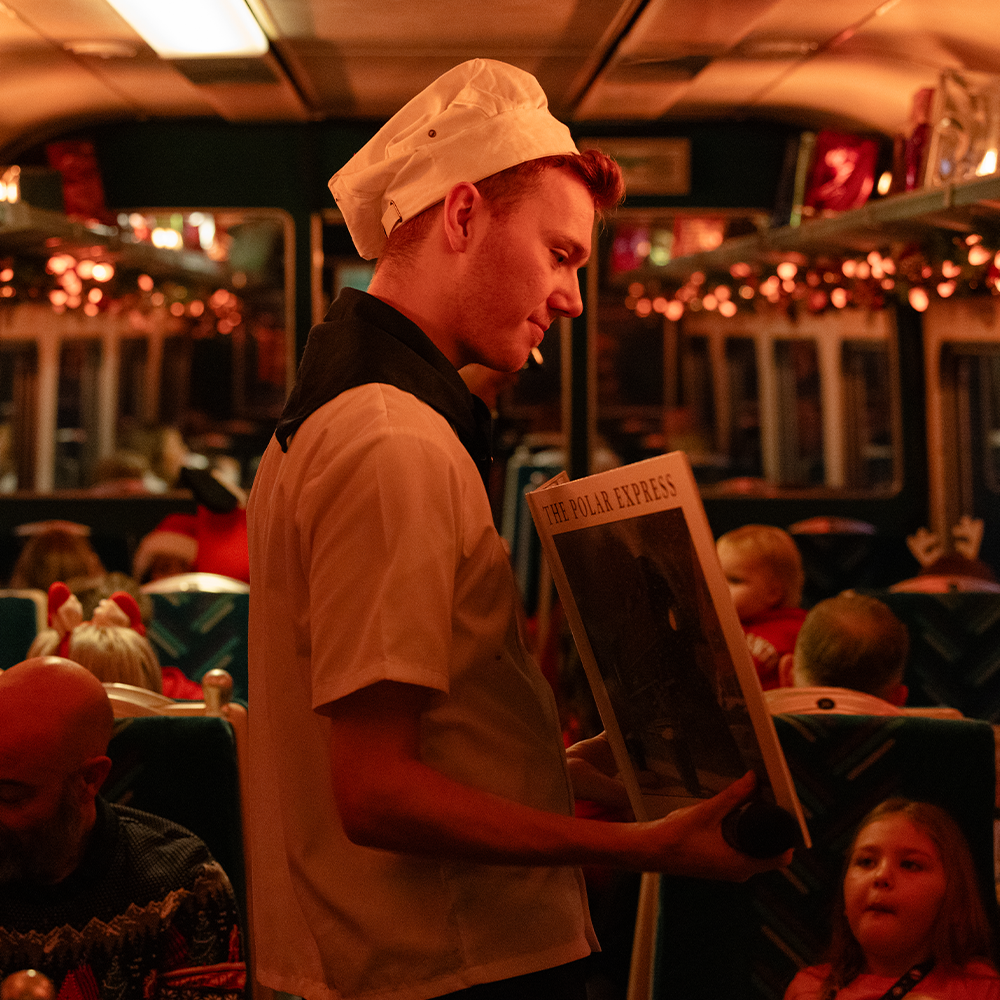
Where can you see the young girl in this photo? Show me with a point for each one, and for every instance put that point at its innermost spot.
(909, 919)
(112, 645)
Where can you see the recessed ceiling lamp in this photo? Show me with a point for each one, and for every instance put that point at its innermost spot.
(192, 29)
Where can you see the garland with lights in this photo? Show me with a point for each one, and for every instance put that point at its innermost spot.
(912, 274)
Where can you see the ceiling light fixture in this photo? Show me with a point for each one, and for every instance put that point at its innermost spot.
(192, 29)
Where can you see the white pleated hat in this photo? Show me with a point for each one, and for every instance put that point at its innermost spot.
(475, 120)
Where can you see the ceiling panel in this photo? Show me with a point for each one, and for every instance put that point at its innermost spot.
(855, 63)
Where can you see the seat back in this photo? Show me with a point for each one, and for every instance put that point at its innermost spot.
(187, 761)
(839, 559)
(23, 614)
(954, 649)
(717, 939)
(202, 630)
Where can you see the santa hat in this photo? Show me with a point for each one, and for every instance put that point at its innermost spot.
(162, 543)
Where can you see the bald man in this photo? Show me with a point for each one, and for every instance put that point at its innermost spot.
(102, 899)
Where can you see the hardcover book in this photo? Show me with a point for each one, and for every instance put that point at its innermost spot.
(634, 562)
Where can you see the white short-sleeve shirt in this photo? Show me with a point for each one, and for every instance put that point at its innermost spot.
(374, 557)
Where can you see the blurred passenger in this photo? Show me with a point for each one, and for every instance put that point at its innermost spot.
(849, 658)
(212, 540)
(8, 459)
(58, 550)
(112, 645)
(104, 900)
(169, 549)
(122, 473)
(763, 568)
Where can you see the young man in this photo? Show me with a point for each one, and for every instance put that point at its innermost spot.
(102, 899)
(413, 830)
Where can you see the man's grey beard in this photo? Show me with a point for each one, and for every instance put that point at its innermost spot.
(39, 856)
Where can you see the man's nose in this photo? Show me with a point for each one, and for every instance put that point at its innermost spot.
(566, 299)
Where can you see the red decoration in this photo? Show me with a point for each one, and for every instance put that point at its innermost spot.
(83, 192)
(843, 172)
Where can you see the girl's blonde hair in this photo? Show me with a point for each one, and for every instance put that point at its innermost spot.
(961, 931)
(112, 653)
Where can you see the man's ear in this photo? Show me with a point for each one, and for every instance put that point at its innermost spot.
(93, 773)
(786, 666)
(897, 695)
(461, 203)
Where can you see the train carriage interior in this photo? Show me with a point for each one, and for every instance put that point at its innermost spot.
(801, 289)
(168, 239)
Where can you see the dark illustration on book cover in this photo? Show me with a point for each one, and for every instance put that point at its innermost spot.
(661, 652)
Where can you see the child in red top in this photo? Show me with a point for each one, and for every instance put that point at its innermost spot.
(764, 570)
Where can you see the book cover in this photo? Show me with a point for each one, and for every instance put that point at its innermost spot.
(634, 563)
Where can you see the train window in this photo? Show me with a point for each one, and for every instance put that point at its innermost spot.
(869, 441)
(176, 317)
(800, 453)
(77, 413)
(760, 399)
(18, 390)
(990, 404)
(970, 377)
(742, 441)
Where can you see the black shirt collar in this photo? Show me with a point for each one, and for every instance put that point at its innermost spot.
(364, 340)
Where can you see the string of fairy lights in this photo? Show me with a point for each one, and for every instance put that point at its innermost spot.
(90, 282)
(912, 273)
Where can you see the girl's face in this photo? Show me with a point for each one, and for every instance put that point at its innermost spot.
(751, 583)
(893, 890)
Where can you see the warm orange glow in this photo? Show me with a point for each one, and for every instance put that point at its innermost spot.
(727, 308)
(919, 299)
(675, 310)
(978, 254)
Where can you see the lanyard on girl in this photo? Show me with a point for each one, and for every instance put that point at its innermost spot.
(902, 986)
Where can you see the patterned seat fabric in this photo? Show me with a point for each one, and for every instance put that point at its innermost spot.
(22, 613)
(840, 561)
(198, 631)
(954, 649)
